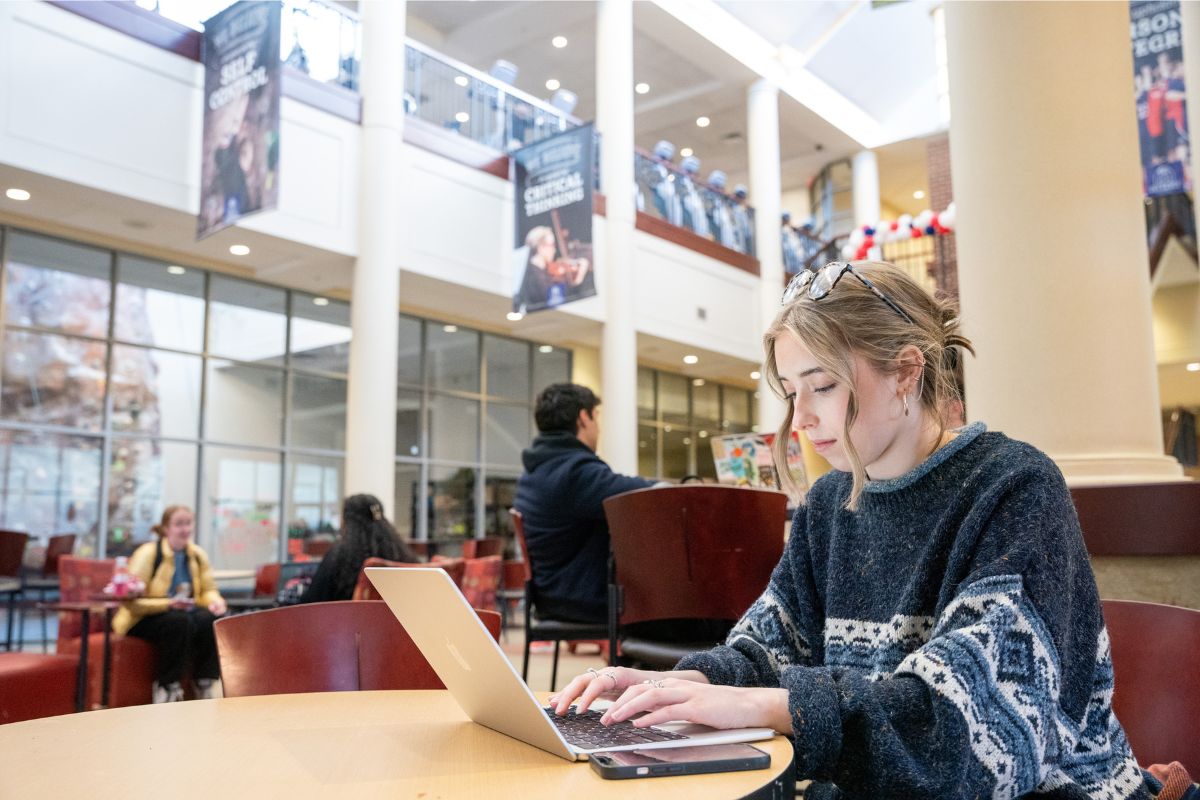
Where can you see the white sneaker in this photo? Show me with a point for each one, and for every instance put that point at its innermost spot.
(171, 693)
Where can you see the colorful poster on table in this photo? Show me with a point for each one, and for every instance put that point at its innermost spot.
(1155, 30)
(239, 167)
(552, 255)
(744, 459)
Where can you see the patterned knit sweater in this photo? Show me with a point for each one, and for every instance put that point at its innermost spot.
(943, 641)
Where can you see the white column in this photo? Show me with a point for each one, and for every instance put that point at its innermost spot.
(1191, 70)
(762, 126)
(865, 171)
(614, 120)
(1052, 262)
(374, 314)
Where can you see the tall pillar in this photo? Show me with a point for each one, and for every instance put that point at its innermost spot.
(1053, 269)
(762, 126)
(614, 120)
(1191, 70)
(865, 177)
(374, 310)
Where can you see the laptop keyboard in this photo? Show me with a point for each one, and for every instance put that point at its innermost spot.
(585, 731)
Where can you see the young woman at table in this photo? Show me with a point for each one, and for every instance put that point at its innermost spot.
(365, 533)
(933, 628)
(177, 610)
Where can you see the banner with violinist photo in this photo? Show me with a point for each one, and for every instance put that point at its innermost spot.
(1155, 29)
(552, 259)
(239, 167)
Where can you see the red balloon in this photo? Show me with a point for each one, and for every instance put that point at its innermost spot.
(934, 221)
(895, 226)
(869, 242)
(862, 253)
(917, 233)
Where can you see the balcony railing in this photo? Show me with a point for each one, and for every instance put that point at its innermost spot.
(687, 202)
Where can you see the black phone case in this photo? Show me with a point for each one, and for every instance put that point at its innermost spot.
(613, 771)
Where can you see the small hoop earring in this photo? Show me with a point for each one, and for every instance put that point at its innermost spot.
(906, 405)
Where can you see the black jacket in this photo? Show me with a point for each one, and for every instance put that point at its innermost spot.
(560, 496)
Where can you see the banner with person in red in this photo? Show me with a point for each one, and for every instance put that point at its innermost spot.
(1155, 30)
(239, 167)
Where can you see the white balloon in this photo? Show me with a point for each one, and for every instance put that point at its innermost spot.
(905, 220)
(947, 217)
(923, 219)
(856, 237)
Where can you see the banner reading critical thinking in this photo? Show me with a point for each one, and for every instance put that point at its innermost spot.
(1155, 28)
(239, 168)
(552, 262)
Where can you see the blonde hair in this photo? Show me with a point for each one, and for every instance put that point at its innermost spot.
(851, 321)
(160, 530)
(537, 234)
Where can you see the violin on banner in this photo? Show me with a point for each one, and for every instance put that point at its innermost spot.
(569, 269)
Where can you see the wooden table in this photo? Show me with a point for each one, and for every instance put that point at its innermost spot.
(339, 744)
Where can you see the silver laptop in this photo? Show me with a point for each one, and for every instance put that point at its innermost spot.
(484, 682)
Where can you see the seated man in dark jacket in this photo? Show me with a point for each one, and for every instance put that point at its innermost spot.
(561, 495)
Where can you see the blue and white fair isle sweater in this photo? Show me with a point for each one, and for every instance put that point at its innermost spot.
(945, 640)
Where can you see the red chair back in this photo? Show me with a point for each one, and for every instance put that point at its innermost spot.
(1156, 693)
(317, 547)
(61, 545)
(81, 579)
(519, 527)
(12, 552)
(365, 590)
(481, 580)
(332, 647)
(266, 580)
(482, 548)
(694, 552)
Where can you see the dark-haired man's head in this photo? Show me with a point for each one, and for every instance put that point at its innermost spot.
(569, 408)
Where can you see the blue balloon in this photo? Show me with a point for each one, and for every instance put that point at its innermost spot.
(930, 230)
(869, 231)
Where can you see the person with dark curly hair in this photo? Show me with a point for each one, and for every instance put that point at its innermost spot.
(365, 533)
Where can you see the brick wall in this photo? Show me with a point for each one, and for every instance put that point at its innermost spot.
(941, 192)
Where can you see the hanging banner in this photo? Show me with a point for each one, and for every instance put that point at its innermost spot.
(1155, 29)
(552, 259)
(239, 168)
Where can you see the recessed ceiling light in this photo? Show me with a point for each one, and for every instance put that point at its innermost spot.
(239, 250)
(545, 349)
(450, 328)
(553, 84)
(918, 195)
(17, 194)
(691, 359)
(685, 152)
(462, 116)
(175, 269)
(697, 381)
(703, 122)
(1194, 366)
(514, 316)
(461, 80)
(755, 375)
(320, 301)
(559, 41)
(703, 434)
(642, 88)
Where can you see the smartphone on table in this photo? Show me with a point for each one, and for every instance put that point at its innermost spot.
(679, 761)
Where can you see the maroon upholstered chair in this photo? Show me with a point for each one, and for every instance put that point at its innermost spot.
(61, 545)
(699, 552)
(365, 590)
(481, 581)
(33, 685)
(1156, 694)
(132, 677)
(12, 552)
(340, 646)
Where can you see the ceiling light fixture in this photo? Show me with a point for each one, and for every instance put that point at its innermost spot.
(697, 381)
(553, 84)
(514, 316)
(545, 349)
(450, 328)
(461, 80)
(559, 42)
(320, 301)
(685, 152)
(691, 359)
(1194, 366)
(17, 194)
(918, 195)
(755, 375)
(642, 88)
(239, 250)
(175, 269)
(462, 116)
(703, 122)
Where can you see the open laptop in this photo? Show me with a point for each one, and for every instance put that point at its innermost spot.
(484, 682)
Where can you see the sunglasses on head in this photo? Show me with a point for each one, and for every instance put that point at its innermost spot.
(820, 283)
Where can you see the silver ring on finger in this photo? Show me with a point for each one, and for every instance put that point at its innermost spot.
(656, 683)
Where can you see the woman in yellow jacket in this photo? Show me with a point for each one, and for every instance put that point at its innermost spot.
(178, 608)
